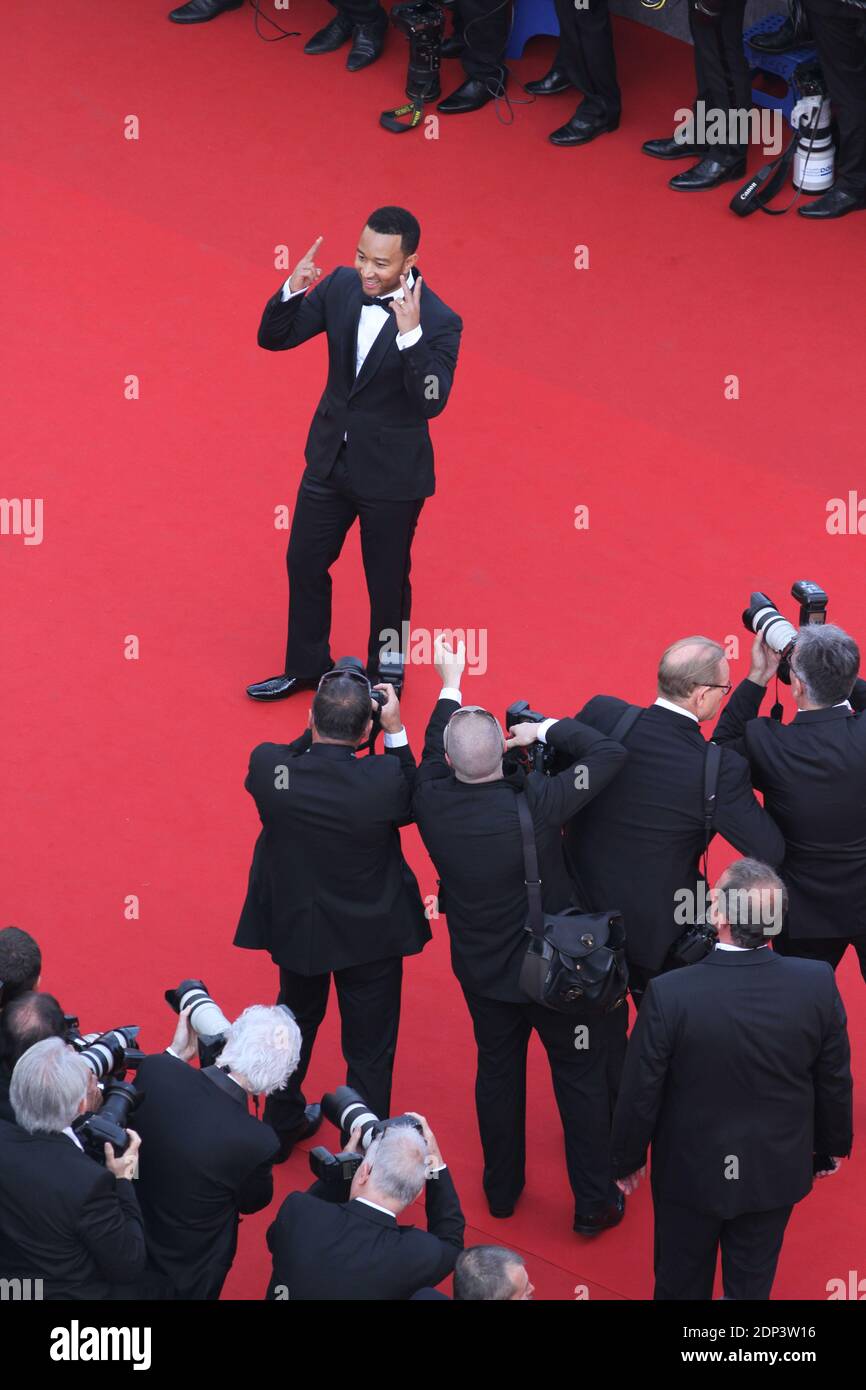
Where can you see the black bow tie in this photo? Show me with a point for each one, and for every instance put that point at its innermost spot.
(369, 300)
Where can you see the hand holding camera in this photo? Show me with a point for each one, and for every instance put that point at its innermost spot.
(124, 1166)
(765, 662)
(389, 712)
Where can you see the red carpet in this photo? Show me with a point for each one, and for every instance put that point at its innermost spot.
(601, 387)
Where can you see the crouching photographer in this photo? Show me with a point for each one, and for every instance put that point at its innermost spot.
(64, 1218)
(28, 1019)
(341, 1240)
(206, 1160)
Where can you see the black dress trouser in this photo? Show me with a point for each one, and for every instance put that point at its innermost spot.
(587, 58)
(840, 35)
(687, 1243)
(369, 999)
(585, 1079)
(828, 948)
(723, 79)
(324, 512)
(486, 26)
(362, 11)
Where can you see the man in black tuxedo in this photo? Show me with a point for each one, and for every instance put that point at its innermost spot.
(812, 773)
(839, 28)
(640, 849)
(587, 62)
(724, 83)
(738, 1074)
(392, 355)
(64, 1218)
(206, 1161)
(355, 1250)
(329, 889)
(466, 810)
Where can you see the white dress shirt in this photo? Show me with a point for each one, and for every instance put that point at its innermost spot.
(677, 709)
(373, 319)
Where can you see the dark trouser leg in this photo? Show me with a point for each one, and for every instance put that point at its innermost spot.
(369, 997)
(588, 59)
(686, 1245)
(638, 979)
(723, 78)
(830, 948)
(502, 1035)
(323, 515)
(617, 1043)
(578, 1057)
(387, 529)
(842, 50)
(751, 1245)
(307, 997)
(362, 11)
(486, 24)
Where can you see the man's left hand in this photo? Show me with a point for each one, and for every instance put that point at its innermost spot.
(632, 1182)
(184, 1042)
(407, 311)
(390, 712)
(522, 735)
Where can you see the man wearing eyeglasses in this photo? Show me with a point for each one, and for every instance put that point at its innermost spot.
(465, 805)
(641, 849)
(330, 893)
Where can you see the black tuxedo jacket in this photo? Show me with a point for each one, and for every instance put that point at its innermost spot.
(348, 1251)
(65, 1219)
(737, 1071)
(385, 409)
(329, 886)
(645, 837)
(812, 773)
(472, 834)
(204, 1161)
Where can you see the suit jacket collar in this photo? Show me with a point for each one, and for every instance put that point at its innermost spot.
(337, 752)
(379, 1218)
(817, 716)
(225, 1083)
(727, 959)
(674, 720)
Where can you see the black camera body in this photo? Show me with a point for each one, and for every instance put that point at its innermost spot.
(762, 615)
(108, 1125)
(423, 22)
(539, 757)
(347, 1111)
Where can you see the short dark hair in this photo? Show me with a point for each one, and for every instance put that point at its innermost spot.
(341, 709)
(751, 898)
(20, 963)
(27, 1020)
(826, 660)
(397, 222)
(482, 1274)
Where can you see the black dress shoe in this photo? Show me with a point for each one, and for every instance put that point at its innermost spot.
(581, 129)
(368, 40)
(709, 173)
(199, 11)
(834, 203)
(603, 1220)
(305, 1130)
(281, 687)
(549, 85)
(672, 149)
(332, 37)
(782, 40)
(471, 95)
(453, 46)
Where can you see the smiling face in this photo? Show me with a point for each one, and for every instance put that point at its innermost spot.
(380, 261)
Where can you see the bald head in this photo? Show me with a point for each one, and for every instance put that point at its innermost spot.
(688, 663)
(474, 743)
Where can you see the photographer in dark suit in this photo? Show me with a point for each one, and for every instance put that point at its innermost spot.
(28, 1019)
(356, 1250)
(812, 773)
(466, 810)
(642, 845)
(206, 1161)
(738, 1074)
(64, 1219)
(330, 891)
(392, 353)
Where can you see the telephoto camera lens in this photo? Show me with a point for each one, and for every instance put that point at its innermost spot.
(762, 615)
(108, 1052)
(346, 1111)
(207, 1019)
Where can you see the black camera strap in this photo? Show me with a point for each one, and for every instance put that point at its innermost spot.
(629, 717)
(711, 781)
(530, 865)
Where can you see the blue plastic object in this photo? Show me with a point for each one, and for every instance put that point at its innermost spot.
(779, 64)
(531, 17)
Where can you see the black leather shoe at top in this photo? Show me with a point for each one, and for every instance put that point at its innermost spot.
(669, 148)
(367, 44)
(471, 95)
(549, 85)
(281, 687)
(332, 37)
(580, 130)
(200, 11)
(783, 39)
(709, 173)
(288, 1138)
(603, 1220)
(834, 203)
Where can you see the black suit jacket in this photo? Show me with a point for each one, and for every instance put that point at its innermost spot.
(329, 886)
(743, 1060)
(645, 837)
(472, 834)
(204, 1161)
(65, 1219)
(385, 409)
(812, 773)
(348, 1251)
